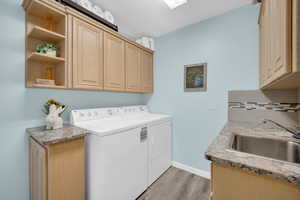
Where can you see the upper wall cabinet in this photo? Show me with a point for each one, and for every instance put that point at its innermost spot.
(279, 44)
(114, 63)
(87, 56)
(147, 72)
(90, 56)
(133, 68)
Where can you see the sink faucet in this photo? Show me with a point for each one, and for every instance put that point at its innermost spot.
(296, 134)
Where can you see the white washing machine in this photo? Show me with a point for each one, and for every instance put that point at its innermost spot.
(127, 150)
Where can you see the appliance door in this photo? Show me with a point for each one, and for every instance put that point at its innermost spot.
(117, 165)
(160, 149)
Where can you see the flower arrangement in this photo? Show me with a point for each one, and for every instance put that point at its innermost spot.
(47, 48)
(46, 107)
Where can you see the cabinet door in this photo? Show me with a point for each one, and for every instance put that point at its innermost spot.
(133, 68)
(230, 183)
(147, 72)
(87, 56)
(160, 141)
(114, 63)
(38, 171)
(66, 170)
(264, 40)
(280, 32)
(275, 40)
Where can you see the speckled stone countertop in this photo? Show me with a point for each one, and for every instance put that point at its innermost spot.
(220, 151)
(46, 137)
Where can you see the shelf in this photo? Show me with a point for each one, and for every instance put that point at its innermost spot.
(45, 58)
(34, 85)
(45, 35)
(42, 11)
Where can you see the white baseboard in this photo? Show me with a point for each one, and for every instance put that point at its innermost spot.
(199, 172)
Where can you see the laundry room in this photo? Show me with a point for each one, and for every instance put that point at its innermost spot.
(150, 100)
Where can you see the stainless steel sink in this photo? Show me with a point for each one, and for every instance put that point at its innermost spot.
(271, 148)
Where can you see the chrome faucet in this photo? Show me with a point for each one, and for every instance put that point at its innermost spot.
(296, 134)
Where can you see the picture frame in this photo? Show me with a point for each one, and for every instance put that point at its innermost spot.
(195, 77)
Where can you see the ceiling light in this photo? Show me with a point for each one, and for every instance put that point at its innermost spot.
(175, 3)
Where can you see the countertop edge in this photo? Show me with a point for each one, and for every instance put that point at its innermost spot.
(211, 155)
(48, 137)
(289, 179)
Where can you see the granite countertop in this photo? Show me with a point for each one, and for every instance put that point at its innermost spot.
(46, 137)
(219, 151)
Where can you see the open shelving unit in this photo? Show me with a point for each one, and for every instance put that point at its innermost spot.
(45, 24)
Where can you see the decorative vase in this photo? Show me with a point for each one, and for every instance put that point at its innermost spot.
(51, 53)
(145, 42)
(109, 17)
(98, 11)
(53, 119)
(86, 4)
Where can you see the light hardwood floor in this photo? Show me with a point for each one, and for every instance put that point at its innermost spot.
(176, 184)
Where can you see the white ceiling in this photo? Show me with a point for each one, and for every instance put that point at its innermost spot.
(153, 18)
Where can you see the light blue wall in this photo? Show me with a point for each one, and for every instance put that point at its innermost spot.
(20, 108)
(229, 44)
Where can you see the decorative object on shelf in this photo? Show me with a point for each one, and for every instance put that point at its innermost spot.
(146, 42)
(75, 4)
(53, 110)
(40, 81)
(109, 17)
(98, 11)
(50, 23)
(151, 43)
(86, 4)
(48, 49)
(49, 73)
(195, 77)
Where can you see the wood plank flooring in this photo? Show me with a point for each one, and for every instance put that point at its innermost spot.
(176, 184)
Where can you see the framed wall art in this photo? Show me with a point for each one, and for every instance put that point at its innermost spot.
(195, 77)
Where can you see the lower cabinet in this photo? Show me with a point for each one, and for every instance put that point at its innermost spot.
(229, 183)
(57, 171)
(38, 171)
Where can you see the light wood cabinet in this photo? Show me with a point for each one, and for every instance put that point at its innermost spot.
(264, 46)
(87, 56)
(133, 68)
(230, 183)
(57, 171)
(114, 63)
(38, 173)
(279, 44)
(147, 72)
(92, 56)
(38, 31)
